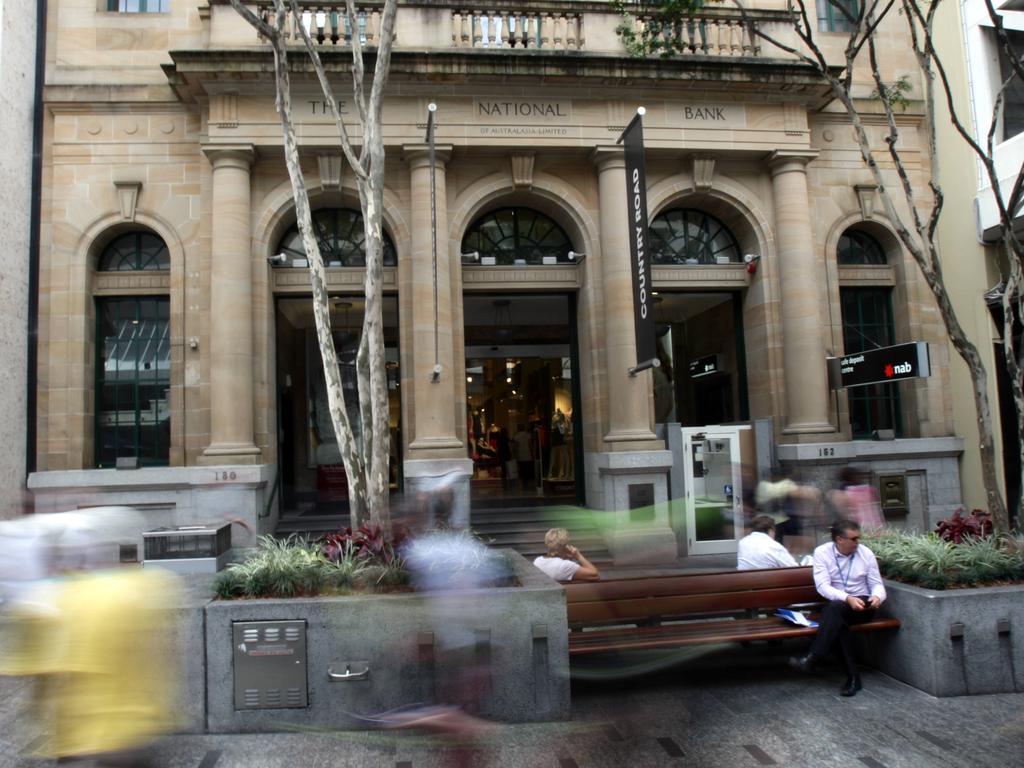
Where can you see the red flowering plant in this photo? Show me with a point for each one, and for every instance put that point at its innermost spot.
(369, 543)
(976, 525)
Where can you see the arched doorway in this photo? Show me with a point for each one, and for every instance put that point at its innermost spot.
(522, 385)
(313, 480)
(133, 358)
(702, 377)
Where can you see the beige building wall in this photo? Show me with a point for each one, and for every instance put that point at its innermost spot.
(17, 99)
(969, 267)
(187, 144)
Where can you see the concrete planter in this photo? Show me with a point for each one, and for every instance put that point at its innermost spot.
(953, 642)
(414, 645)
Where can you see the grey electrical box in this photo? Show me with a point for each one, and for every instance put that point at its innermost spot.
(270, 664)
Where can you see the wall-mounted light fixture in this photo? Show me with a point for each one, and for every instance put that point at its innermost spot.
(576, 258)
(473, 257)
(277, 260)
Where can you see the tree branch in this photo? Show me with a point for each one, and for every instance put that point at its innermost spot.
(271, 33)
(325, 86)
(358, 70)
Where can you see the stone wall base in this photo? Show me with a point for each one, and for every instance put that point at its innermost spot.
(930, 467)
(429, 475)
(953, 642)
(167, 496)
(635, 479)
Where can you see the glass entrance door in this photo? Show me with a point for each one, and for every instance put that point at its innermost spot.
(521, 403)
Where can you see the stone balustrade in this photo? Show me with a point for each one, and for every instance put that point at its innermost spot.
(706, 33)
(526, 28)
(570, 25)
(327, 22)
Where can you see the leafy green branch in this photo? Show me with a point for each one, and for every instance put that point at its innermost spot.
(895, 95)
(648, 29)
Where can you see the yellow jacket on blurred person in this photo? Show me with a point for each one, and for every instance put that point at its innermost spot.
(117, 665)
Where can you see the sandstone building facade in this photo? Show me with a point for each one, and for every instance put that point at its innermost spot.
(18, 42)
(175, 324)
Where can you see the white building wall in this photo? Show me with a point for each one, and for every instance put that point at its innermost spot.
(984, 82)
(17, 88)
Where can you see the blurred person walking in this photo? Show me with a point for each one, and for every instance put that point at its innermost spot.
(793, 507)
(451, 567)
(100, 659)
(854, 498)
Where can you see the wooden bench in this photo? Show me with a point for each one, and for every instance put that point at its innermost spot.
(692, 609)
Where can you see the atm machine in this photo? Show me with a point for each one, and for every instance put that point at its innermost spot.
(708, 462)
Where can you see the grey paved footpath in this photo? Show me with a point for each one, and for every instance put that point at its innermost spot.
(730, 707)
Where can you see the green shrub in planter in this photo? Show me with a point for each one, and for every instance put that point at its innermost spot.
(934, 563)
(285, 568)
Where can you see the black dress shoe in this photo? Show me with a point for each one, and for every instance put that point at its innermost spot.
(852, 686)
(804, 663)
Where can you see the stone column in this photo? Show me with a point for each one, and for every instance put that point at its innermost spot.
(435, 449)
(806, 380)
(231, 323)
(629, 409)
(633, 466)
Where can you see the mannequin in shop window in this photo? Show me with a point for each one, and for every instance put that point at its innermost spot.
(569, 470)
(559, 453)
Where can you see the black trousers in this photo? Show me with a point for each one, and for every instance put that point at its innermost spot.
(834, 631)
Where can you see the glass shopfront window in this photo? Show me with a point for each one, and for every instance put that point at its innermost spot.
(133, 379)
(868, 324)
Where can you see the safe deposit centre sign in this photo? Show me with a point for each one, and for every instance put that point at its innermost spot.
(879, 366)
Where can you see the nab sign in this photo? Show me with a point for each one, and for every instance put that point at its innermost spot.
(878, 366)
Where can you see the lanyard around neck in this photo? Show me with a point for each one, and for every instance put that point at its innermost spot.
(849, 565)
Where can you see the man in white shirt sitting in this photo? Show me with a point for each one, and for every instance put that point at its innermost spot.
(563, 561)
(846, 574)
(759, 549)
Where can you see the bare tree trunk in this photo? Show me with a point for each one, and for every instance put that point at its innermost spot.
(366, 459)
(1013, 317)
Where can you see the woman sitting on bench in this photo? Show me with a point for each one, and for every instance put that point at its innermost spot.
(563, 561)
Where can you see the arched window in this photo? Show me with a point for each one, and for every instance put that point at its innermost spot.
(517, 236)
(857, 248)
(134, 251)
(689, 236)
(133, 359)
(339, 231)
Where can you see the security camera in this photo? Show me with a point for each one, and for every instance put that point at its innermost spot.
(277, 260)
(471, 257)
(750, 258)
(576, 257)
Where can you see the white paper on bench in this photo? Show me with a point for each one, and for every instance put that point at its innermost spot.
(797, 617)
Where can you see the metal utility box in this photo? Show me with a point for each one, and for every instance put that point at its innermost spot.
(270, 664)
(188, 548)
(892, 493)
